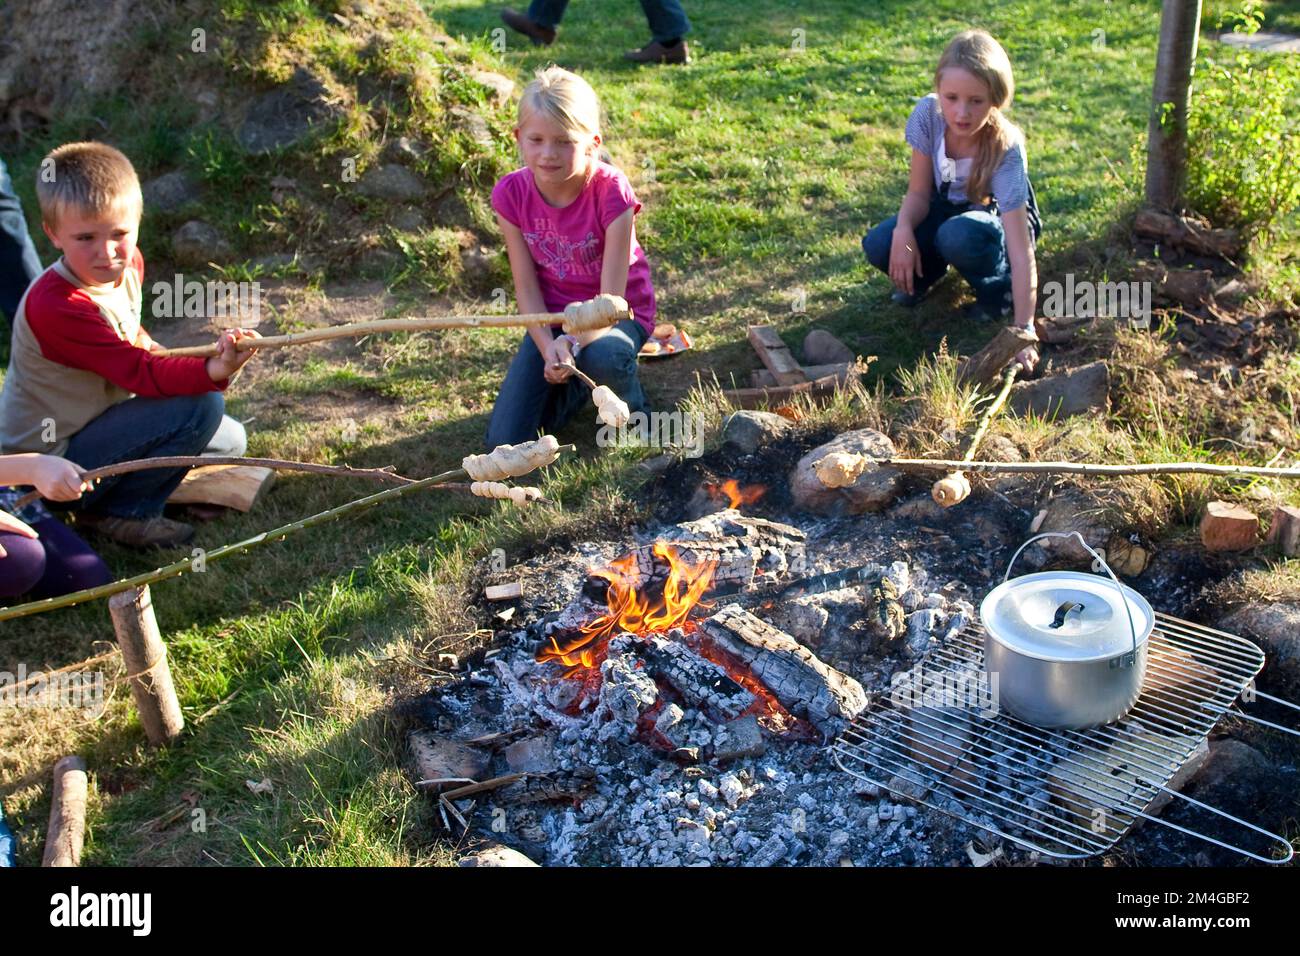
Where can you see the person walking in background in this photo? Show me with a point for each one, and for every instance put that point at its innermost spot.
(666, 18)
(19, 265)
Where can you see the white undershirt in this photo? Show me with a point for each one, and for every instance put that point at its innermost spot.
(953, 171)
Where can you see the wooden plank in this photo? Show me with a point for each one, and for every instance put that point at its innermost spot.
(233, 486)
(756, 397)
(776, 355)
(762, 378)
(503, 592)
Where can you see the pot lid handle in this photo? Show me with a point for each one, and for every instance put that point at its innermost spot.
(1099, 561)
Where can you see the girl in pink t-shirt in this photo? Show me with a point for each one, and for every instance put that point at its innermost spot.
(568, 222)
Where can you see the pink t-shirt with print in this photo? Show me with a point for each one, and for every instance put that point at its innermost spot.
(568, 244)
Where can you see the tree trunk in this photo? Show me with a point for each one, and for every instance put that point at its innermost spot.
(1180, 22)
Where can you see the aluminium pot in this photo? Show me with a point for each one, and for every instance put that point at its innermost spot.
(1065, 649)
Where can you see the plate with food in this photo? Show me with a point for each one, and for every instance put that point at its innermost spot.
(666, 340)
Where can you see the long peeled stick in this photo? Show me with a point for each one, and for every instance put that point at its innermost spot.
(505, 461)
(954, 487)
(603, 311)
(1085, 468)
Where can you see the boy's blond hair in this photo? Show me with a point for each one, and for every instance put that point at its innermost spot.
(983, 57)
(94, 179)
(563, 96)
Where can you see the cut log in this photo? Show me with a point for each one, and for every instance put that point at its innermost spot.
(756, 397)
(776, 355)
(1187, 287)
(702, 682)
(67, 830)
(1188, 234)
(762, 378)
(232, 486)
(1284, 530)
(803, 684)
(985, 366)
(1229, 527)
(145, 656)
(504, 592)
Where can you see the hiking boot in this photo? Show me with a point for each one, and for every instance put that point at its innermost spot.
(520, 23)
(656, 52)
(156, 532)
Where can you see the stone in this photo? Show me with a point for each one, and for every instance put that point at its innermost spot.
(1231, 763)
(875, 488)
(1276, 628)
(287, 115)
(822, 348)
(407, 219)
(494, 856)
(1229, 527)
(405, 150)
(532, 755)
(1069, 509)
(1284, 530)
(392, 183)
(739, 738)
(748, 431)
(437, 758)
(170, 192)
(473, 125)
(500, 87)
(197, 243)
(477, 261)
(1075, 392)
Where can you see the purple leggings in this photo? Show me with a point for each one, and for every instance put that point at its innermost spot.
(57, 562)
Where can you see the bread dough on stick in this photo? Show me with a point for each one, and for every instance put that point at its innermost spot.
(495, 489)
(511, 461)
(601, 312)
(840, 469)
(611, 409)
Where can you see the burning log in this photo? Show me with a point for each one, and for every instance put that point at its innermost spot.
(702, 682)
(796, 677)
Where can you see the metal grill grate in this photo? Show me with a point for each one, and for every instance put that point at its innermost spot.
(1068, 794)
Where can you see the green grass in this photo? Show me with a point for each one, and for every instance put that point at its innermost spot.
(760, 167)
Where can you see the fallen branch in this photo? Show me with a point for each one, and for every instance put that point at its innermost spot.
(66, 833)
(603, 311)
(239, 547)
(198, 461)
(954, 487)
(1083, 468)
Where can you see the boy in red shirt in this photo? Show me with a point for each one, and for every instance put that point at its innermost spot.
(83, 380)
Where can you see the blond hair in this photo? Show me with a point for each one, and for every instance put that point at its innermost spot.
(564, 97)
(983, 57)
(93, 179)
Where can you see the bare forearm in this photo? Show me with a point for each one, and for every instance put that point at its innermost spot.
(912, 211)
(18, 469)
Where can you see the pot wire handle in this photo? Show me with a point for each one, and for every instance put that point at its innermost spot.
(1100, 560)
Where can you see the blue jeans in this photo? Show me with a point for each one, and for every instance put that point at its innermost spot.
(19, 265)
(143, 428)
(666, 18)
(953, 234)
(527, 403)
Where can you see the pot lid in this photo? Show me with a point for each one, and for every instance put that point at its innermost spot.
(1066, 616)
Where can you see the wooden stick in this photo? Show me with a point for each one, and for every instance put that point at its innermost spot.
(67, 829)
(954, 487)
(1077, 468)
(586, 379)
(145, 655)
(197, 461)
(612, 311)
(276, 534)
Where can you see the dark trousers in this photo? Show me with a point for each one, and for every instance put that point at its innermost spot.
(19, 265)
(666, 18)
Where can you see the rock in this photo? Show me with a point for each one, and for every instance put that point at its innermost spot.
(501, 87)
(999, 448)
(822, 348)
(272, 261)
(476, 262)
(1068, 509)
(437, 758)
(1231, 763)
(196, 244)
(407, 219)
(532, 755)
(496, 856)
(1229, 527)
(393, 183)
(739, 738)
(1074, 392)
(748, 431)
(1284, 530)
(875, 488)
(1276, 628)
(473, 125)
(405, 150)
(1126, 557)
(287, 115)
(170, 192)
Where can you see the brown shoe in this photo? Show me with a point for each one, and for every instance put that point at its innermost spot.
(540, 35)
(158, 532)
(656, 52)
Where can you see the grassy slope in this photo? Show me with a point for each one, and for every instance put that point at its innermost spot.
(768, 165)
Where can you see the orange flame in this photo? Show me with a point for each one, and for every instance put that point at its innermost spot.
(735, 494)
(633, 610)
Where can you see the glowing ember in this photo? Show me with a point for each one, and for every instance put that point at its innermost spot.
(735, 494)
(633, 610)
